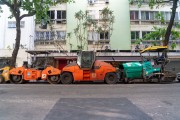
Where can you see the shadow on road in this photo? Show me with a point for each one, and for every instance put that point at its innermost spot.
(96, 109)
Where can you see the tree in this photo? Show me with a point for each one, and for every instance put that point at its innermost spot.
(159, 33)
(80, 30)
(32, 7)
(85, 23)
(158, 3)
(106, 27)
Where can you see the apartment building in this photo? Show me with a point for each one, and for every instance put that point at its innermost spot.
(143, 20)
(131, 23)
(8, 35)
(63, 21)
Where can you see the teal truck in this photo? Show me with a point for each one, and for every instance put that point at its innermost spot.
(145, 69)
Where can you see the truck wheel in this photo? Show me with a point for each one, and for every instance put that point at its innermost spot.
(16, 79)
(53, 79)
(1, 79)
(111, 78)
(66, 78)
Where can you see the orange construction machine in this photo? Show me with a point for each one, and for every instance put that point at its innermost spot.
(21, 74)
(88, 68)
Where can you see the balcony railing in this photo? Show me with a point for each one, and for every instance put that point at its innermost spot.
(150, 22)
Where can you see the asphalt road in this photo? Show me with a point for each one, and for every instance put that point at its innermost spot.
(90, 102)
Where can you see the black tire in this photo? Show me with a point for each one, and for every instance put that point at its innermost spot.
(178, 79)
(2, 79)
(16, 79)
(111, 78)
(53, 79)
(66, 78)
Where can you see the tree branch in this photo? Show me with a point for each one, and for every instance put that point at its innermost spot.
(28, 15)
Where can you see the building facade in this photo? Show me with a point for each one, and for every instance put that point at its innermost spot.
(63, 21)
(143, 20)
(131, 24)
(8, 35)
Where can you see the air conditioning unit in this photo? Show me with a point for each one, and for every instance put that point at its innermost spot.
(107, 1)
(91, 2)
(107, 47)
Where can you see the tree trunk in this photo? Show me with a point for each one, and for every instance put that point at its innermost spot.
(170, 25)
(17, 43)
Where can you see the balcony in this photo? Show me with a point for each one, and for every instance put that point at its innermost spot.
(150, 22)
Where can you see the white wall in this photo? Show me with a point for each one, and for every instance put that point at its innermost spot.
(3, 17)
(22, 56)
(8, 35)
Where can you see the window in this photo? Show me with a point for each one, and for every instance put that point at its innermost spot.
(50, 35)
(166, 15)
(145, 1)
(37, 35)
(176, 17)
(46, 35)
(152, 15)
(51, 14)
(41, 35)
(148, 15)
(134, 35)
(12, 24)
(145, 15)
(61, 16)
(134, 15)
(104, 36)
(144, 33)
(61, 35)
(93, 14)
(93, 36)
